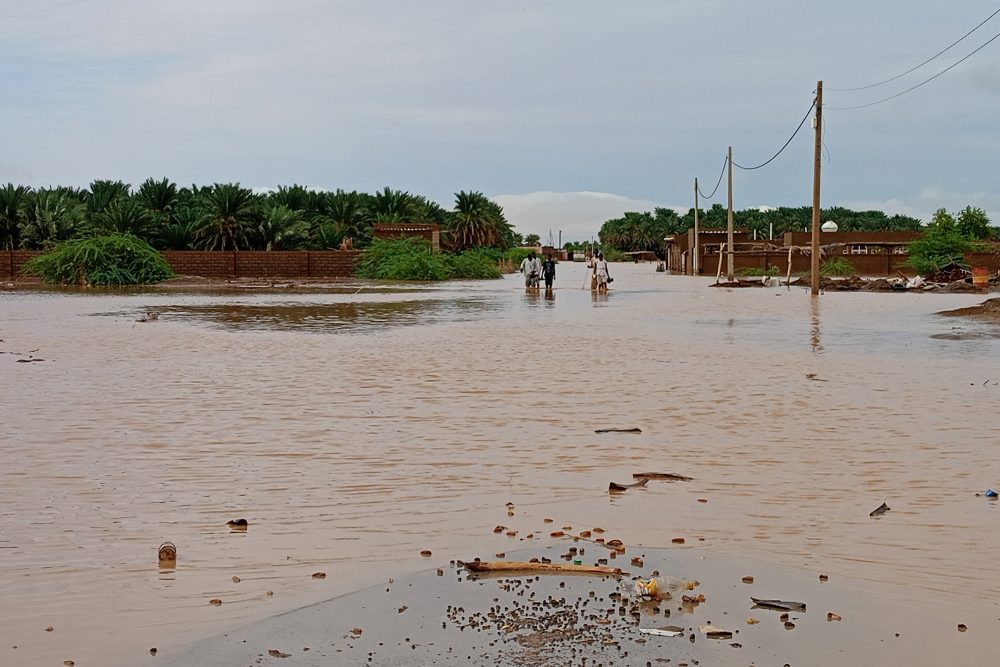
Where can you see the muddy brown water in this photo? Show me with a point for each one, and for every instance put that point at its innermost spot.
(353, 430)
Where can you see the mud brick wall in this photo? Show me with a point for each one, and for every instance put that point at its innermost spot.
(263, 264)
(11, 262)
(227, 264)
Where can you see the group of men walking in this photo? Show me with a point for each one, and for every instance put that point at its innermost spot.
(534, 270)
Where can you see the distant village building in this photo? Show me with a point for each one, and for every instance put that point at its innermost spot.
(871, 253)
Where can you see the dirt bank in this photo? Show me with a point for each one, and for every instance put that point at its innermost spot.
(987, 311)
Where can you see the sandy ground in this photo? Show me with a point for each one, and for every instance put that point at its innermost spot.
(987, 311)
(445, 616)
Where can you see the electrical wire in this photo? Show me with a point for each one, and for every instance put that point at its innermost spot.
(725, 161)
(925, 81)
(764, 164)
(914, 69)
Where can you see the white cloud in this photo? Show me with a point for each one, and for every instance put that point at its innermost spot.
(579, 215)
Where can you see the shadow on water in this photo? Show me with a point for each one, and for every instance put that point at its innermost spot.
(341, 317)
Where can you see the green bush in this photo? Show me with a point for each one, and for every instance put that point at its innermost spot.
(616, 255)
(413, 259)
(943, 242)
(402, 259)
(837, 266)
(473, 265)
(113, 259)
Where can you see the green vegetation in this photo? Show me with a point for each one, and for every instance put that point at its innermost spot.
(112, 259)
(227, 216)
(837, 267)
(757, 271)
(413, 259)
(947, 238)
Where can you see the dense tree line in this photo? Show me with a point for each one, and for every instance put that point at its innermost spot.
(645, 231)
(226, 216)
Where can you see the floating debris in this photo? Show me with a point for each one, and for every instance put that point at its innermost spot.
(426, 553)
(880, 510)
(167, 554)
(319, 575)
(713, 632)
(830, 616)
(665, 476)
(238, 524)
(275, 653)
(618, 430)
(527, 566)
(215, 602)
(616, 487)
(747, 580)
(668, 631)
(779, 605)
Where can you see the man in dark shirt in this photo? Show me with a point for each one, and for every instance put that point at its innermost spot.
(549, 271)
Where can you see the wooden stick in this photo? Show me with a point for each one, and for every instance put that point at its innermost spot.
(718, 273)
(524, 566)
(788, 275)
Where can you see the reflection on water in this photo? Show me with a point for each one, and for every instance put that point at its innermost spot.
(815, 335)
(350, 454)
(336, 316)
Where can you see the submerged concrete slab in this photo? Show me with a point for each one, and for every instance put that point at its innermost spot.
(529, 620)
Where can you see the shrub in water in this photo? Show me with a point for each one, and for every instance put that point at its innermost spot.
(401, 259)
(113, 259)
(474, 265)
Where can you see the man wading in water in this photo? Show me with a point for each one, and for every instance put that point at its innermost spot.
(531, 268)
(549, 271)
(601, 271)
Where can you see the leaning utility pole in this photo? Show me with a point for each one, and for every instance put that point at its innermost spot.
(696, 258)
(730, 273)
(814, 270)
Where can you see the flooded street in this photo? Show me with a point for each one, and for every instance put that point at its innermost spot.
(353, 429)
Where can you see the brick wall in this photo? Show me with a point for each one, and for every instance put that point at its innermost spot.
(243, 264)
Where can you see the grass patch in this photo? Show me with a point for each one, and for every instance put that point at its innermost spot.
(757, 271)
(837, 267)
(113, 259)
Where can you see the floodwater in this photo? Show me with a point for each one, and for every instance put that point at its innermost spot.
(353, 429)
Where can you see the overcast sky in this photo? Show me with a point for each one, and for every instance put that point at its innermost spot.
(566, 111)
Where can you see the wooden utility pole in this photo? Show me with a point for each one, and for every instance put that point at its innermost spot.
(696, 258)
(730, 273)
(814, 270)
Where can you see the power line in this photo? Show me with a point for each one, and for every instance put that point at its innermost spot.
(925, 81)
(725, 161)
(913, 69)
(764, 164)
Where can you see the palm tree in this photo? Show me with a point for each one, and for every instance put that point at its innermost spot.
(474, 222)
(14, 200)
(282, 228)
(102, 194)
(52, 215)
(230, 211)
(159, 198)
(126, 216)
